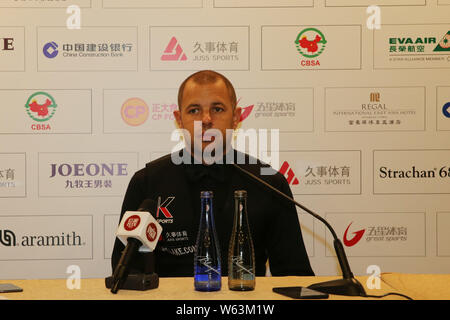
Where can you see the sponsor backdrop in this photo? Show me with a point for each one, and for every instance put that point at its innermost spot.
(360, 98)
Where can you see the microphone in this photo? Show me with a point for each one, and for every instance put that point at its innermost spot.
(138, 231)
(348, 286)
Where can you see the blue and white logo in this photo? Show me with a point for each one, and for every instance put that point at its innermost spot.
(50, 50)
(446, 109)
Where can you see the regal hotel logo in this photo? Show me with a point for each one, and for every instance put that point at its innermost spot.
(375, 109)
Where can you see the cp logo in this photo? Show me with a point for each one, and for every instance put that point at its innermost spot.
(134, 112)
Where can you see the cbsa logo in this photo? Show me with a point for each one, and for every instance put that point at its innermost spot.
(40, 107)
(310, 43)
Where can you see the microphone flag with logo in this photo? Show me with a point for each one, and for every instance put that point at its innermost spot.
(138, 231)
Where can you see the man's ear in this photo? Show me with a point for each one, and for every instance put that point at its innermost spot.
(177, 116)
(236, 116)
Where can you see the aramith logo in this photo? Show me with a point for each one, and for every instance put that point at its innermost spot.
(40, 107)
(9, 239)
(310, 44)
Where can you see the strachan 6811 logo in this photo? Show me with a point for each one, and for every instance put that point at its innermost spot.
(310, 43)
(40, 107)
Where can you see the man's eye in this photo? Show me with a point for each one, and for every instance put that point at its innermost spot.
(217, 109)
(193, 111)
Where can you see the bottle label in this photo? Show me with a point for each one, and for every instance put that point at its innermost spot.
(207, 262)
(237, 261)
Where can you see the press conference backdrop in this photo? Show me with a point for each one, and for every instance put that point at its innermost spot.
(363, 117)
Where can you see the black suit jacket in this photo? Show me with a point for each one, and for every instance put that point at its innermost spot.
(273, 220)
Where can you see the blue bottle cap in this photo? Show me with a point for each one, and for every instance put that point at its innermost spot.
(206, 194)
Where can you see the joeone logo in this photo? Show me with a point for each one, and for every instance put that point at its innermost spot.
(357, 236)
(132, 223)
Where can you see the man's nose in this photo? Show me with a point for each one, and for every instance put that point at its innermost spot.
(206, 117)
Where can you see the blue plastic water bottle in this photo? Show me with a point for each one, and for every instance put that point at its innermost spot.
(207, 267)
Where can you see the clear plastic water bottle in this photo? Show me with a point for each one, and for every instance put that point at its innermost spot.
(241, 254)
(207, 267)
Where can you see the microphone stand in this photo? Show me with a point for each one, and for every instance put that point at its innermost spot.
(348, 285)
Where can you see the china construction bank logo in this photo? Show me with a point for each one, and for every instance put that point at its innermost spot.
(446, 110)
(50, 50)
(310, 43)
(173, 51)
(40, 107)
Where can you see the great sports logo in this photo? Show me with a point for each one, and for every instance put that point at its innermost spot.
(356, 236)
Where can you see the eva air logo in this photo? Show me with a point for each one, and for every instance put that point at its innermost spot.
(40, 106)
(310, 42)
(444, 44)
